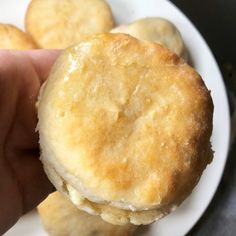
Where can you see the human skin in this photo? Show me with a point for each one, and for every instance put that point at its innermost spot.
(23, 183)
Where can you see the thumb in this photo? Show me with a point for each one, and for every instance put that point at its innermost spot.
(42, 60)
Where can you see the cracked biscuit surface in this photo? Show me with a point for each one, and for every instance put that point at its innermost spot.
(124, 128)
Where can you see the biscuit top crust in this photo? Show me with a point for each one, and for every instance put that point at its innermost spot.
(128, 119)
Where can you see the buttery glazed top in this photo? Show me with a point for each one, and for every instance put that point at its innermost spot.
(129, 120)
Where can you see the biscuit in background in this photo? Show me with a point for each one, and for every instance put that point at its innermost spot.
(61, 23)
(156, 29)
(61, 218)
(13, 38)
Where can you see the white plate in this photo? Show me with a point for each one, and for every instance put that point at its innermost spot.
(125, 11)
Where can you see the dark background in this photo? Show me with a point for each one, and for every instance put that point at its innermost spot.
(216, 20)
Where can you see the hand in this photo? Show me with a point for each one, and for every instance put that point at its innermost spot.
(23, 183)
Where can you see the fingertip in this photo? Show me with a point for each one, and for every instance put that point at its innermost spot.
(42, 60)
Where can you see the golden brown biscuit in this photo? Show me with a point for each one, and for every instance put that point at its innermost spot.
(13, 38)
(156, 29)
(125, 128)
(61, 218)
(59, 24)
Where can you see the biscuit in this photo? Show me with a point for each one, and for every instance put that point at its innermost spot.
(13, 38)
(124, 128)
(156, 29)
(59, 24)
(61, 218)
